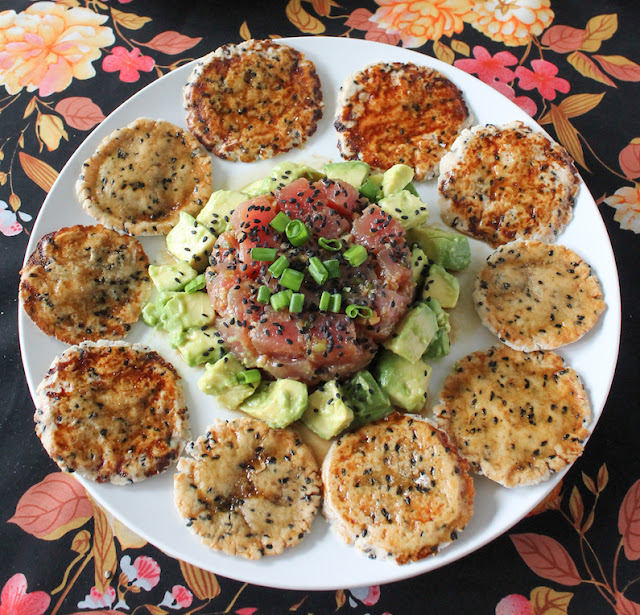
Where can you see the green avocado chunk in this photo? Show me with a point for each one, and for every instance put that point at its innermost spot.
(441, 286)
(352, 172)
(404, 382)
(220, 379)
(281, 175)
(370, 190)
(201, 346)
(150, 315)
(327, 414)
(396, 178)
(172, 277)
(445, 248)
(183, 311)
(216, 213)
(366, 399)
(191, 242)
(419, 263)
(277, 403)
(405, 207)
(414, 333)
(440, 344)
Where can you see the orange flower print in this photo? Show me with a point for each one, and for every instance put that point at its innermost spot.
(48, 45)
(512, 22)
(626, 202)
(416, 21)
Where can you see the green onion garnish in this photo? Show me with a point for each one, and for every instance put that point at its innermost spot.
(333, 245)
(279, 223)
(325, 298)
(353, 311)
(335, 302)
(333, 268)
(356, 255)
(292, 279)
(264, 254)
(264, 294)
(297, 232)
(296, 303)
(280, 301)
(249, 377)
(279, 266)
(198, 283)
(317, 270)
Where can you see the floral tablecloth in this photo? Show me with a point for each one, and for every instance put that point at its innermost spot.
(573, 65)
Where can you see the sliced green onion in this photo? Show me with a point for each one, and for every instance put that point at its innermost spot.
(353, 311)
(292, 279)
(356, 255)
(333, 268)
(264, 254)
(317, 270)
(335, 302)
(296, 303)
(333, 245)
(264, 294)
(280, 301)
(280, 222)
(279, 266)
(198, 283)
(325, 298)
(249, 377)
(297, 232)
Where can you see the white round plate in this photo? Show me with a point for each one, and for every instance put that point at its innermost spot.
(322, 561)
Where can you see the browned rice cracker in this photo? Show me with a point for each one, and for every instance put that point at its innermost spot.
(253, 100)
(515, 416)
(248, 489)
(392, 112)
(143, 175)
(501, 183)
(85, 283)
(396, 489)
(537, 296)
(111, 412)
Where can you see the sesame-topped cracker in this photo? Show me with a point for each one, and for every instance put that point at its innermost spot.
(143, 175)
(396, 489)
(85, 283)
(393, 112)
(501, 183)
(248, 489)
(537, 296)
(111, 412)
(515, 416)
(253, 100)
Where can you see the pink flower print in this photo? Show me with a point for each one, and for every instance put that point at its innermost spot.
(367, 595)
(98, 600)
(514, 604)
(524, 102)
(542, 78)
(144, 572)
(9, 225)
(16, 601)
(489, 68)
(179, 598)
(129, 63)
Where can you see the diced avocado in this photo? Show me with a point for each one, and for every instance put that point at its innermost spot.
(327, 414)
(411, 188)
(441, 286)
(277, 403)
(281, 175)
(442, 318)
(419, 263)
(365, 398)
(161, 300)
(352, 172)
(201, 346)
(445, 248)
(150, 315)
(404, 382)
(191, 242)
(414, 333)
(396, 178)
(172, 277)
(370, 190)
(183, 311)
(198, 283)
(216, 213)
(439, 346)
(220, 379)
(405, 207)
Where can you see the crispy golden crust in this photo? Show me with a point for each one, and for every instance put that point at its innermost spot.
(248, 489)
(499, 184)
(516, 417)
(112, 412)
(537, 296)
(143, 175)
(396, 489)
(253, 100)
(391, 113)
(85, 283)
